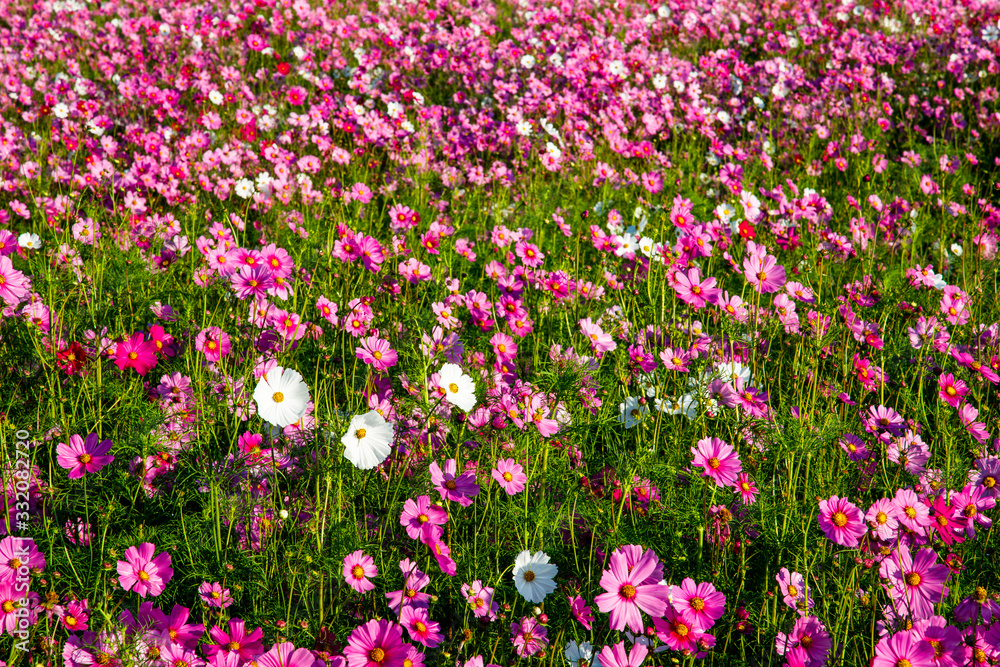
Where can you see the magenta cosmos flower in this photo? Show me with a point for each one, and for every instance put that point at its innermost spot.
(419, 513)
(237, 640)
(720, 461)
(952, 391)
(700, 604)
(581, 611)
(82, 456)
(136, 352)
(627, 593)
(14, 287)
(915, 583)
(694, 291)
(214, 343)
(142, 573)
(457, 488)
(903, 649)
(510, 476)
(376, 644)
(842, 521)
(214, 595)
(358, 566)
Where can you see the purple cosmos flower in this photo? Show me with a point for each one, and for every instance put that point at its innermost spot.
(457, 488)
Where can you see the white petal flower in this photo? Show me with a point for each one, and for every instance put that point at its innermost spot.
(368, 441)
(534, 576)
(459, 389)
(282, 397)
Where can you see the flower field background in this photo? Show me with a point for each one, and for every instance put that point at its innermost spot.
(430, 333)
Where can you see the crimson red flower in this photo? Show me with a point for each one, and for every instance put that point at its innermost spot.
(72, 358)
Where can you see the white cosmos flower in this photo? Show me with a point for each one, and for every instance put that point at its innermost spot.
(60, 111)
(281, 396)
(368, 441)
(458, 388)
(534, 576)
(582, 651)
(527, 61)
(631, 411)
(215, 97)
(29, 241)
(244, 188)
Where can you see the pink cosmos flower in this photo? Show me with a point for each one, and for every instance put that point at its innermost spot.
(842, 521)
(245, 646)
(377, 643)
(510, 476)
(600, 342)
(794, 591)
(528, 636)
(357, 568)
(764, 273)
(694, 291)
(214, 595)
(377, 353)
(137, 353)
(952, 391)
(916, 584)
(882, 521)
(615, 656)
(457, 488)
(420, 512)
(14, 286)
(808, 638)
(677, 633)
(720, 461)
(903, 649)
(910, 512)
(413, 583)
(180, 631)
(503, 346)
(627, 594)
(17, 552)
(480, 598)
(213, 342)
(421, 628)
(700, 604)
(582, 612)
(83, 456)
(284, 655)
(142, 573)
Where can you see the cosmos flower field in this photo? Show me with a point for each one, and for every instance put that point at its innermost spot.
(464, 333)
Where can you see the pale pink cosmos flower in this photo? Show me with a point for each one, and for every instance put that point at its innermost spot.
(14, 286)
(509, 474)
(764, 273)
(600, 342)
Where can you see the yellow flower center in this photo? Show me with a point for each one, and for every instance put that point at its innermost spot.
(529, 575)
(839, 519)
(697, 604)
(143, 575)
(376, 655)
(453, 388)
(358, 572)
(793, 590)
(360, 433)
(627, 591)
(913, 579)
(85, 458)
(507, 477)
(714, 463)
(278, 397)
